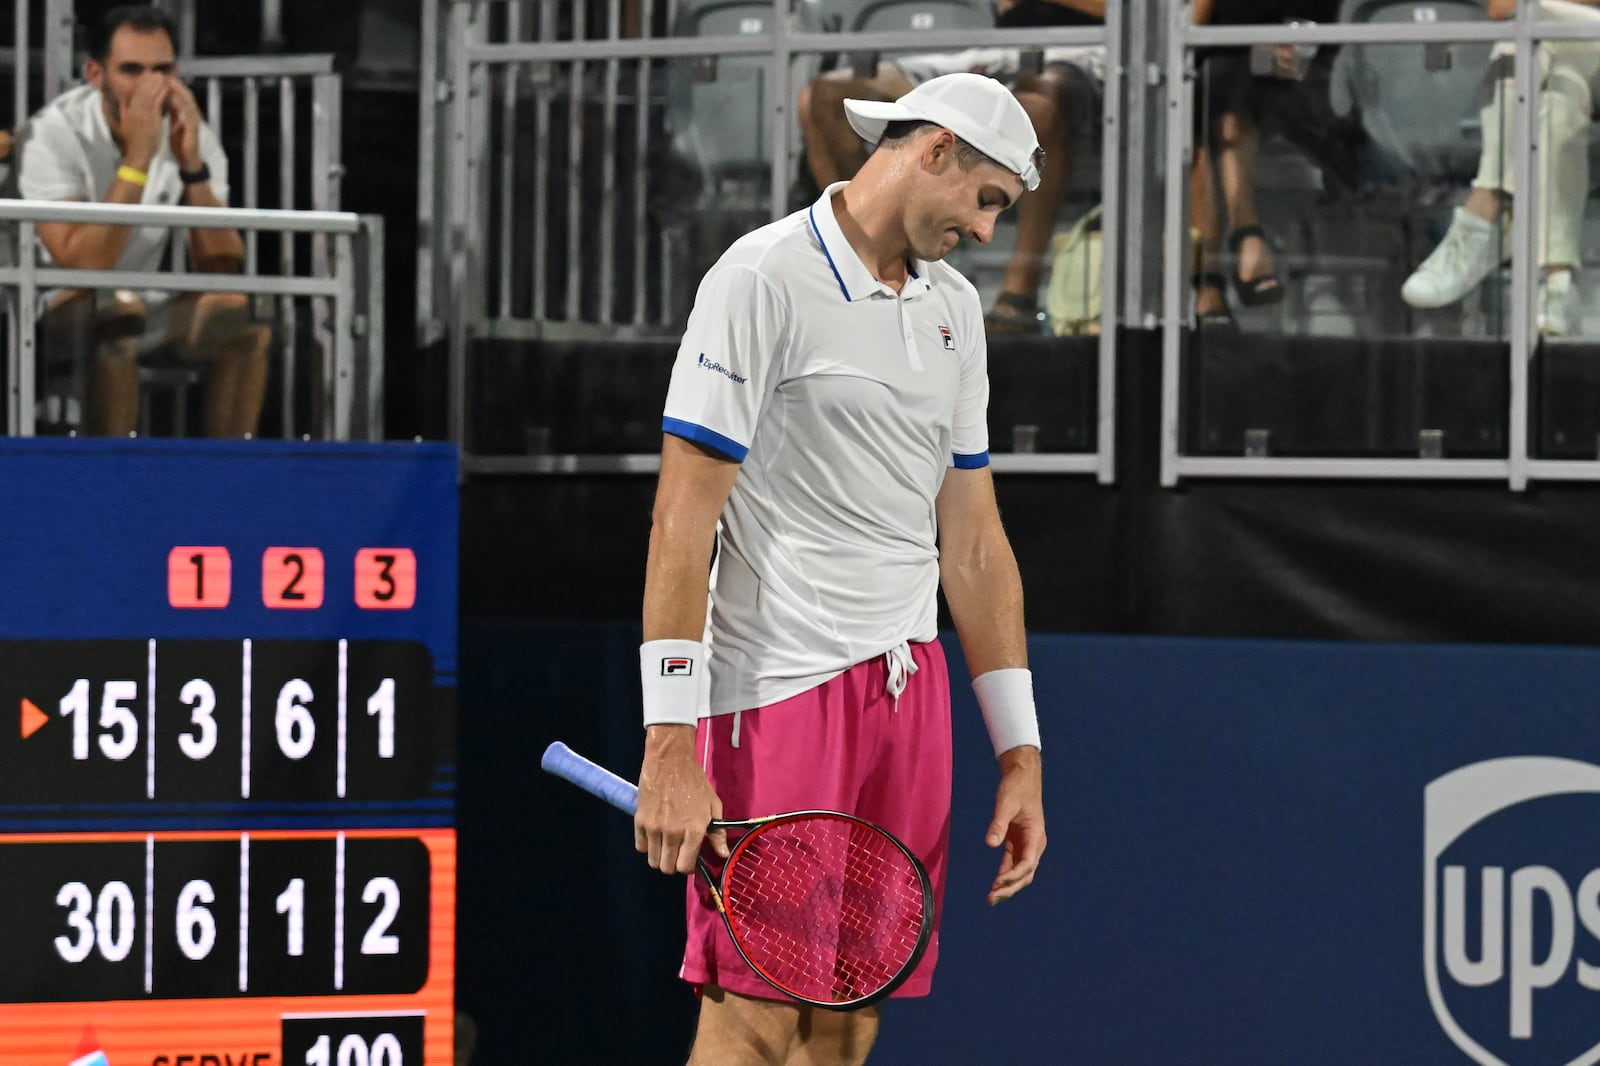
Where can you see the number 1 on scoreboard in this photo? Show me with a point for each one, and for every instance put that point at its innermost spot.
(199, 577)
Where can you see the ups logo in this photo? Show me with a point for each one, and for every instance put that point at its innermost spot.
(1511, 881)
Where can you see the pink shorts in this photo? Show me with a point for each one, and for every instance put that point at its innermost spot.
(842, 746)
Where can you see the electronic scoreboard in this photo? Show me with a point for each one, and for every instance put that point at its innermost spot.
(227, 748)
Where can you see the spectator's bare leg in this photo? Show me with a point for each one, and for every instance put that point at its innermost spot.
(1485, 203)
(114, 388)
(1036, 211)
(833, 151)
(103, 331)
(216, 328)
(1205, 221)
(1236, 166)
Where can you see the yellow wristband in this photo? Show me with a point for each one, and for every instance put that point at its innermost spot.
(132, 176)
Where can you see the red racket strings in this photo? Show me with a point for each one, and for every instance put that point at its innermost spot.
(827, 907)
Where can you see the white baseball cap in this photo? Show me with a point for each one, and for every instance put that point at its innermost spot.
(974, 107)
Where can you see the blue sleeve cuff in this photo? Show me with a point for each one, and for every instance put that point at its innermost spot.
(715, 441)
(970, 462)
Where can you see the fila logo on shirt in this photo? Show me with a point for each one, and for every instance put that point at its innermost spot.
(948, 337)
(677, 667)
(1511, 910)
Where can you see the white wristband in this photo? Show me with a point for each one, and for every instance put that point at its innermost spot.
(1006, 699)
(669, 672)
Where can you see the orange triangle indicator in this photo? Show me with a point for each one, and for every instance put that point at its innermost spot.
(32, 718)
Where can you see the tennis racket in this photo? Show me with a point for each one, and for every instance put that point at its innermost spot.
(826, 908)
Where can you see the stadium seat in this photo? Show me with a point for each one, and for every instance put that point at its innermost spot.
(720, 141)
(1418, 103)
(718, 105)
(889, 15)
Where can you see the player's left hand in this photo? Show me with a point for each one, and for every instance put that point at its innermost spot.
(184, 111)
(1018, 821)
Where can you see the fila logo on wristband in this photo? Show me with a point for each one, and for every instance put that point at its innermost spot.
(677, 667)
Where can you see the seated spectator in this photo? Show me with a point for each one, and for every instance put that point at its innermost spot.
(134, 135)
(1471, 248)
(1070, 85)
(1231, 105)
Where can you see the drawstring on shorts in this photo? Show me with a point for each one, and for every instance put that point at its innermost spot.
(900, 666)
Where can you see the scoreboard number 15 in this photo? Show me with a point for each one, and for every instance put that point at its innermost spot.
(295, 727)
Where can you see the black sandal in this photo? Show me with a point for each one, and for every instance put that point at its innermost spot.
(1257, 292)
(1012, 313)
(1220, 319)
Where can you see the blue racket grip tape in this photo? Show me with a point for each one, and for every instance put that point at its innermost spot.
(591, 777)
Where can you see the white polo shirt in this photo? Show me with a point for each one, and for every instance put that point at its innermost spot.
(845, 402)
(71, 155)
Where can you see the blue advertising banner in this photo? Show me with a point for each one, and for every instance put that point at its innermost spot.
(1283, 853)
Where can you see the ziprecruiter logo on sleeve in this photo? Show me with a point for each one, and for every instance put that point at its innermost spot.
(1511, 933)
(711, 364)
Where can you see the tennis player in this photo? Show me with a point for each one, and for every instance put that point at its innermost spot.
(825, 430)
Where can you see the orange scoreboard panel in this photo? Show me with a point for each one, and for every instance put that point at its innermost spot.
(227, 755)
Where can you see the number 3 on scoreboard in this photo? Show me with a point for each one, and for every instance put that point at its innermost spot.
(386, 579)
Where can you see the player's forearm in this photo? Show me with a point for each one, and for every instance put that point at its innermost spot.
(690, 494)
(983, 589)
(675, 587)
(677, 574)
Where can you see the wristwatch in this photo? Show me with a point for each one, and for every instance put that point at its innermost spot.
(195, 177)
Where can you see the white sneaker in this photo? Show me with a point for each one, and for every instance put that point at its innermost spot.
(1560, 311)
(1464, 258)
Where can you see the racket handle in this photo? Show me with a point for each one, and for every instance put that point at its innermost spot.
(591, 777)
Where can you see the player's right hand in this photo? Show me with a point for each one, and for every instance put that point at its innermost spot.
(141, 121)
(676, 802)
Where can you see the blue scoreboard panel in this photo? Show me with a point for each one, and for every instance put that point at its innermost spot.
(227, 770)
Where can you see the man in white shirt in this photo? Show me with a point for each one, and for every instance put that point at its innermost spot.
(825, 429)
(134, 135)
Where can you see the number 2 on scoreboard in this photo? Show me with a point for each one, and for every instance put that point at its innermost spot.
(291, 578)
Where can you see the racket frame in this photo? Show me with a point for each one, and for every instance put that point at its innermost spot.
(753, 828)
(563, 762)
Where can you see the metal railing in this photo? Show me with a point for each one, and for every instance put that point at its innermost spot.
(290, 79)
(52, 55)
(481, 67)
(348, 394)
(464, 296)
(1527, 31)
